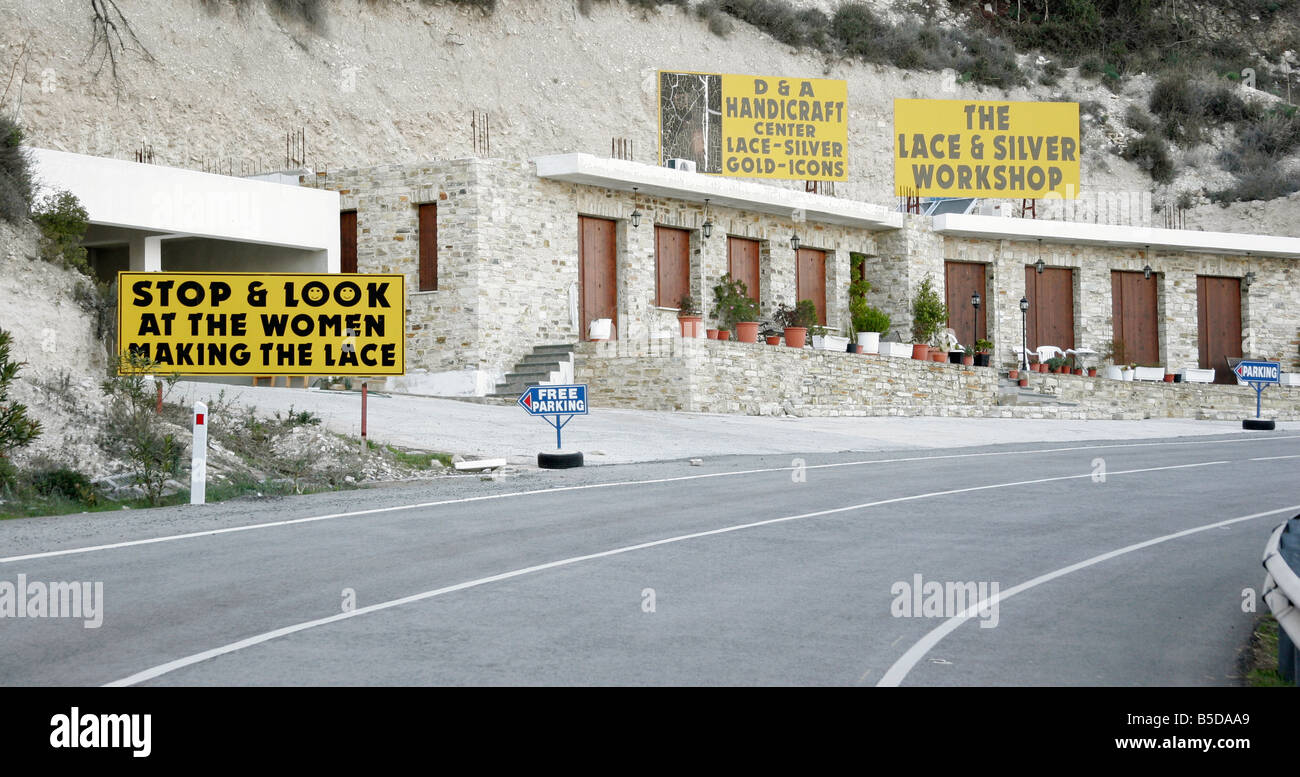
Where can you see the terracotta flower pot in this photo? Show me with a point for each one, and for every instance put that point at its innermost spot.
(712, 334)
(1092, 372)
(1024, 382)
(796, 336)
(1169, 378)
(938, 357)
(690, 325)
(724, 334)
(747, 331)
(921, 352)
(855, 348)
(969, 361)
(1013, 374)
(774, 339)
(1078, 370)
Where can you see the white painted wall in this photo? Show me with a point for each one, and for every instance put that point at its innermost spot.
(186, 202)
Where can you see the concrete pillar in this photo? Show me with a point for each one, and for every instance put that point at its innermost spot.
(146, 254)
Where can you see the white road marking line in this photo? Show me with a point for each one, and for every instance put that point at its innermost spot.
(180, 663)
(898, 672)
(1274, 458)
(560, 489)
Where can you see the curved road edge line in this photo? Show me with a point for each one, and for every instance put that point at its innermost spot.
(900, 668)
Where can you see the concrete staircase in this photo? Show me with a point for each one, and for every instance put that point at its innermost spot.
(546, 364)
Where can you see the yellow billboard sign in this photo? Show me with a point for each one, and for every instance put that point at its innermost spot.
(975, 148)
(263, 323)
(755, 126)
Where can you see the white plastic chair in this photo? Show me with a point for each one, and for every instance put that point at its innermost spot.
(1046, 352)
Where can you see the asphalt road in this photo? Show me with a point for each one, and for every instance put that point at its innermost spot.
(748, 570)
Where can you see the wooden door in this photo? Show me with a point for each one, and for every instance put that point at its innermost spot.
(811, 280)
(742, 263)
(597, 272)
(348, 241)
(672, 265)
(1135, 317)
(960, 281)
(1218, 318)
(1051, 307)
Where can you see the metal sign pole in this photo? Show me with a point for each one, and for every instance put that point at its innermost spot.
(1259, 391)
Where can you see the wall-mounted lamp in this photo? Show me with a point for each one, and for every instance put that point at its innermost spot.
(1039, 266)
(1248, 280)
(975, 300)
(636, 214)
(794, 242)
(706, 228)
(1146, 271)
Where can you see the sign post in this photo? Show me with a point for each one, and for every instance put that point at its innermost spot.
(1259, 375)
(199, 456)
(557, 405)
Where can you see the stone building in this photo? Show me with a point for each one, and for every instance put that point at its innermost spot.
(502, 256)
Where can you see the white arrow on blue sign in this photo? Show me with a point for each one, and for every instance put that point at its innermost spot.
(558, 401)
(555, 400)
(1259, 372)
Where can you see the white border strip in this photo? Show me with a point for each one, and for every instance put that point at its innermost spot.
(180, 663)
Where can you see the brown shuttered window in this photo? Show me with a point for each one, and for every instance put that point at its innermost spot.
(672, 266)
(429, 247)
(348, 241)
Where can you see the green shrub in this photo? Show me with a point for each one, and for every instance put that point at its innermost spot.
(929, 313)
(17, 429)
(1137, 119)
(15, 173)
(1150, 153)
(63, 222)
(732, 303)
(64, 482)
(134, 431)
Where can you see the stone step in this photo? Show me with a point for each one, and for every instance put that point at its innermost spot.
(540, 358)
(529, 374)
(555, 349)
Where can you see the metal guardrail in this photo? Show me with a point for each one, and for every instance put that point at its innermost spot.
(1282, 594)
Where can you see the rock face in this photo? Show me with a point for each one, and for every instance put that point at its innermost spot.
(45, 308)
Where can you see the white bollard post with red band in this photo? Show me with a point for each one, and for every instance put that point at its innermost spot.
(199, 455)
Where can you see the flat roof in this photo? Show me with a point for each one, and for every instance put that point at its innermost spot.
(657, 181)
(1083, 233)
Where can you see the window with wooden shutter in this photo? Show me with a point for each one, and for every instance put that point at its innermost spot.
(672, 265)
(428, 246)
(348, 241)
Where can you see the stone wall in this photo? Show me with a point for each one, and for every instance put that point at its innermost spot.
(1124, 399)
(707, 376)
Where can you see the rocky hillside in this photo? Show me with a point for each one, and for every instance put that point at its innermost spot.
(217, 85)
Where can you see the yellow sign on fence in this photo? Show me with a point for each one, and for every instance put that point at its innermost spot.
(755, 126)
(973, 148)
(263, 323)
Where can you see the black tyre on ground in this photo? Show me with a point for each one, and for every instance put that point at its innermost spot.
(1259, 424)
(559, 459)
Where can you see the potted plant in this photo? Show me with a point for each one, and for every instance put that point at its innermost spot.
(983, 352)
(928, 316)
(796, 321)
(772, 336)
(868, 322)
(968, 356)
(1013, 374)
(688, 316)
(1056, 364)
(735, 310)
